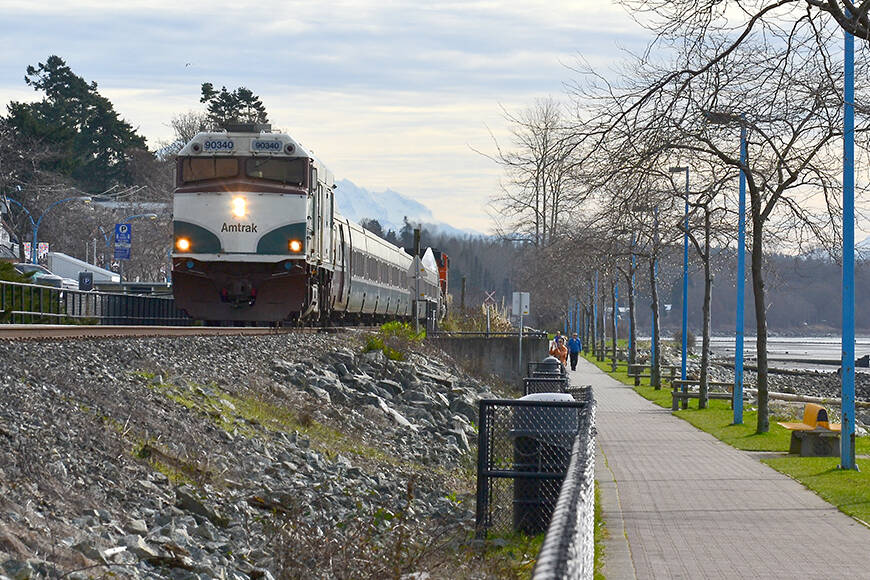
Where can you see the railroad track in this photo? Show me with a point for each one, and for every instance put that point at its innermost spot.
(24, 331)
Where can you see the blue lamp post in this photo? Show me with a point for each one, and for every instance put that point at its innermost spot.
(615, 311)
(34, 224)
(727, 118)
(685, 271)
(631, 297)
(741, 281)
(595, 320)
(653, 351)
(847, 376)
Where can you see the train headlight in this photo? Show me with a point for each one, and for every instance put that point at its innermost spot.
(182, 244)
(295, 246)
(240, 207)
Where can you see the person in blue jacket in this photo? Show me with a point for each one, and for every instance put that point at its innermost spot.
(574, 348)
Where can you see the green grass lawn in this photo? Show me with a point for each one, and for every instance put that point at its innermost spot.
(849, 491)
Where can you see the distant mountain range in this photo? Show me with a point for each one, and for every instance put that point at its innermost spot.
(389, 208)
(862, 251)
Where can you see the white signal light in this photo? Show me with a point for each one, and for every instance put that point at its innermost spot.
(240, 207)
(295, 246)
(183, 244)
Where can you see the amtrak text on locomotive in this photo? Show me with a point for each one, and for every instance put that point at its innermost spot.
(247, 228)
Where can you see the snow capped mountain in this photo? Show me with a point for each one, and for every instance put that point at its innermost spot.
(388, 207)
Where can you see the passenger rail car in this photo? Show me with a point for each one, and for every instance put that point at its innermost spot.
(257, 239)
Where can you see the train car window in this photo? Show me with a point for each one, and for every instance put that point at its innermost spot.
(289, 171)
(202, 168)
(358, 264)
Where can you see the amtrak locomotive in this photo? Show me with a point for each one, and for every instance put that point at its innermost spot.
(257, 239)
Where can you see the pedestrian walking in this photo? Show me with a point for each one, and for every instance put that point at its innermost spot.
(574, 348)
(556, 340)
(560, 351)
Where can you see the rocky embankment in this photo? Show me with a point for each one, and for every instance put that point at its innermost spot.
(232, 457)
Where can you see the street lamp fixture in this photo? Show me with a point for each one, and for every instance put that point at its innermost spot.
(147, 216)
(685, 271)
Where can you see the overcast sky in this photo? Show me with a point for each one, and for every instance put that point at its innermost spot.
(389, 94)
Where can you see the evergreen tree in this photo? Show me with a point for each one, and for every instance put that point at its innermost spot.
(372, 225)
(239, 106)
(406, 234)
(93, 145)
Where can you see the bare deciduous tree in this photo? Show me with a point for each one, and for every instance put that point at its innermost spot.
(783, 85)
(539, 194)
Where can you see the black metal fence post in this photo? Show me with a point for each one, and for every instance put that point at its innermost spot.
(482, 508)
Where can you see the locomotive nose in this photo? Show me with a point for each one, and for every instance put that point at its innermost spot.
(239, 292)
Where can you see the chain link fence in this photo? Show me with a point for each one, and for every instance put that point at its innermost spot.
(524, 452)
(534, 385)
(568, 551)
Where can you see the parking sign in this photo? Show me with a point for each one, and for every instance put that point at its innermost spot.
(123, 241)
(123, 235)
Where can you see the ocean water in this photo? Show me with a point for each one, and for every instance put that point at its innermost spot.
(793, 352)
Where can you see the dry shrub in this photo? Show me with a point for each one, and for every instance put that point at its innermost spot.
(380, 543)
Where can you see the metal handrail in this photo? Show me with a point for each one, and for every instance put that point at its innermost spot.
(36, 304)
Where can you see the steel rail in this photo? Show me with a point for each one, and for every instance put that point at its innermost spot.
(29, 331)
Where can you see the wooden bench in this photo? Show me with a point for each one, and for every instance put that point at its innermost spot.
(680, 391)
(636, 371)
(639, 374)
(815, 436)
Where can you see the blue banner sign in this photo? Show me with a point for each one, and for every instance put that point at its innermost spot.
(122, 252)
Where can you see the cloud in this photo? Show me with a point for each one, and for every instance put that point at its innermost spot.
(390, 94)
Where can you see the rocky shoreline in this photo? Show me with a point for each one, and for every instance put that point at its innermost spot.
(233, 457)
(810, 383)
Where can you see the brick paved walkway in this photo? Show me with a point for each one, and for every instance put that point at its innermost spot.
(678, 503)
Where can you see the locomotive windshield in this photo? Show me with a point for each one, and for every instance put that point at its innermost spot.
(290, 171)
(202, 168)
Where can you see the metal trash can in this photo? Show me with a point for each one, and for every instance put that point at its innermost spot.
(543, 438)
(549, 367)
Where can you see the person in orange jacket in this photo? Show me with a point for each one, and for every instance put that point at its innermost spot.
(559, 350)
